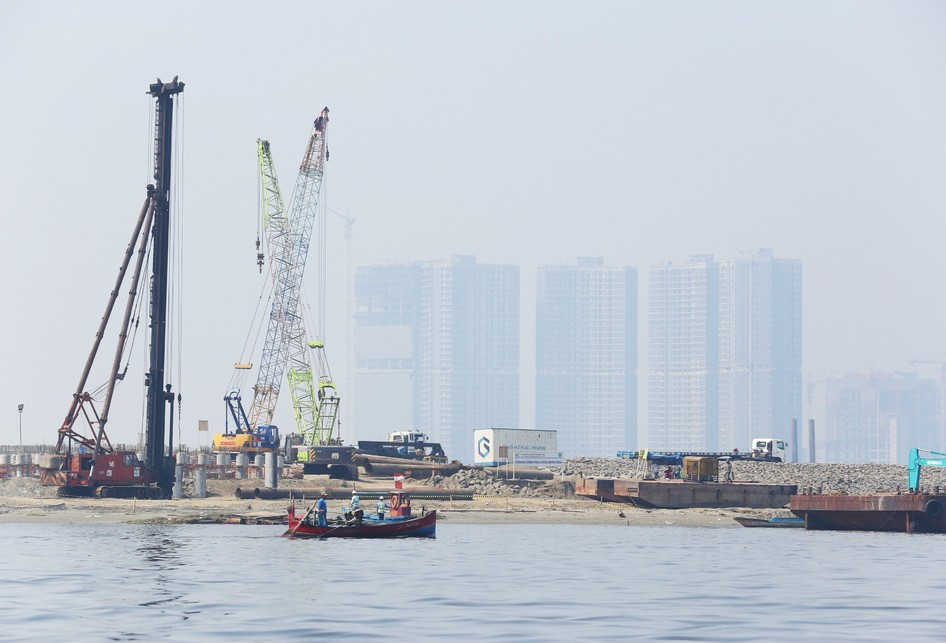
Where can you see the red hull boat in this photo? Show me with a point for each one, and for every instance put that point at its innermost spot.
(398, 524)
(423, 526)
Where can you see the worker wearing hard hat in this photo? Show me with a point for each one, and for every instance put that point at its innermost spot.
(356, 506)
(382, 507)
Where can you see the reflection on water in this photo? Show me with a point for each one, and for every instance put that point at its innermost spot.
(484, 582)
(160, 550)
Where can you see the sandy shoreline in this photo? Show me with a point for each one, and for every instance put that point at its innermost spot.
(217, 509)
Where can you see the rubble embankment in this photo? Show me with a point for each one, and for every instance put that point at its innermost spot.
(851, 479)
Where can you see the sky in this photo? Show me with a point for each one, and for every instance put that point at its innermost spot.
(527, 133)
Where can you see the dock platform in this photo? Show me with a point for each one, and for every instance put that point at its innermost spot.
(683, 494)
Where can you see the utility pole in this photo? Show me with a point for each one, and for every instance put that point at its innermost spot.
(19, 408)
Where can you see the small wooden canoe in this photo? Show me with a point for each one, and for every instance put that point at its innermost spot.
(770, 522)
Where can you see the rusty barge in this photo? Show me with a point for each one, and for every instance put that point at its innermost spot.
(683, 494)
(907, 512)
(916, 511)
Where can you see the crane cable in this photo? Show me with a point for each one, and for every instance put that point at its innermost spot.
(255, 330)
(315, 325)
(144, 295)
(323, 261)
(237, 380)
(179, 256)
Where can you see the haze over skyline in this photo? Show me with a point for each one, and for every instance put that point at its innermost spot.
(526, 133)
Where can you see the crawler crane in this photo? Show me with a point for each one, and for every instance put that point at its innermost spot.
(288, 239)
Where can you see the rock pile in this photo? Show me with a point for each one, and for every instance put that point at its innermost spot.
(852, 479)
(483, 483)
(13, 487)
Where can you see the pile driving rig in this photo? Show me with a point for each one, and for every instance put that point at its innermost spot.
(85, 462)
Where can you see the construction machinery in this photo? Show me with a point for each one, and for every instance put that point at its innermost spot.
(245, 439)
(85, 462)
(763, 450)
(409, 445)
(314, 398)
(915, 462)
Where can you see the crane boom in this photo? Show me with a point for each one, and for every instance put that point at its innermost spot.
(280, 241)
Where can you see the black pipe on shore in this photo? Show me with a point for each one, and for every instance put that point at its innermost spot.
(340, 494)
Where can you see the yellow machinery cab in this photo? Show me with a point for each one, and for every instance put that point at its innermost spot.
(700, 469)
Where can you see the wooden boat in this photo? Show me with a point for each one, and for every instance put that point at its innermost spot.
(770, 522)
(399, 523)
(424, 526)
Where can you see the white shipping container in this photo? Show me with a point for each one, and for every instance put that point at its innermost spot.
(496, 447)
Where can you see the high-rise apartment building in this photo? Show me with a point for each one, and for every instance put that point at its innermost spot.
(877, 418)
(586, 356)
(683, 355)
(437, 347)
(724, 351)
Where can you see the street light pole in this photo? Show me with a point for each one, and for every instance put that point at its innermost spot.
(20, 409)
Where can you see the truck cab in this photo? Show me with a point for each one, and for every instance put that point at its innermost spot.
(407, 437)
(770, 449)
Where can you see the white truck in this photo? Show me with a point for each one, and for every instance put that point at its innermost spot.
(762, 449)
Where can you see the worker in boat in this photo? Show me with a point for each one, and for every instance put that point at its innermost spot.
(382, 507)
(321, 510)
(347, 515)
(356, 509)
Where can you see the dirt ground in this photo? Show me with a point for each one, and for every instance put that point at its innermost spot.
(23, 500)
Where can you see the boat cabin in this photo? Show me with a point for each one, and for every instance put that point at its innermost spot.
(400, 503)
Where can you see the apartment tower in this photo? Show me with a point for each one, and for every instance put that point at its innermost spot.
(586, 356)
(724, 351)
(437, 349)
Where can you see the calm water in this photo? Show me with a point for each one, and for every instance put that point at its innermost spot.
(474, 582)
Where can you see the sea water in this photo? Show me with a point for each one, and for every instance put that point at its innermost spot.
(494, 582)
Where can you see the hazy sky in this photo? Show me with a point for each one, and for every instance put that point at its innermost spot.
(528, 133)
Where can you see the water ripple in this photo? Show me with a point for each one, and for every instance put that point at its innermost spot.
(483, 582)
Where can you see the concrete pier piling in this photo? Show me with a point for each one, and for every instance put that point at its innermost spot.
(223, 461)
(270, 470)
(180, 467)
(200, 475)
(242, 462)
